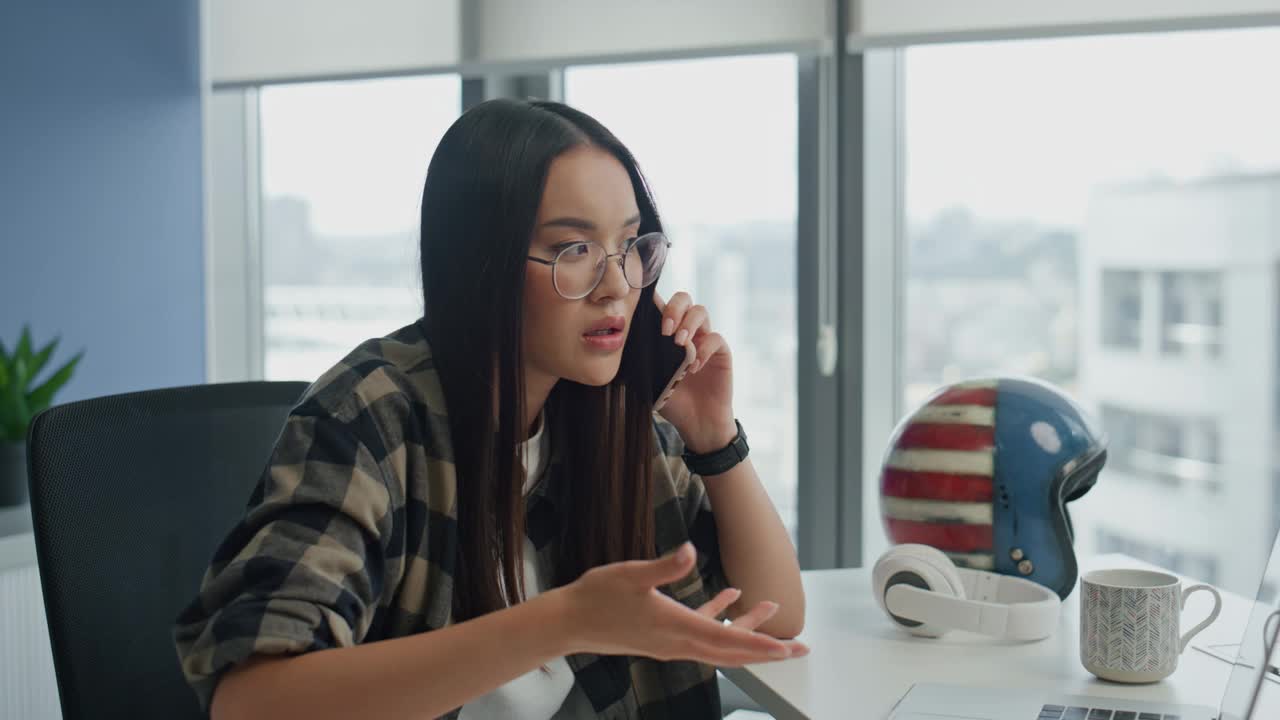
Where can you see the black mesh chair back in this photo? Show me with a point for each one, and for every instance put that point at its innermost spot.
(130, 496)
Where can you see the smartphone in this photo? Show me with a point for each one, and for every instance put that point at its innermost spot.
(670, 362)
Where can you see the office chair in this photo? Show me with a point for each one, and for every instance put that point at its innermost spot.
(130, 496)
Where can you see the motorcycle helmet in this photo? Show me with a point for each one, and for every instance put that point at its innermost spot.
(983, 471)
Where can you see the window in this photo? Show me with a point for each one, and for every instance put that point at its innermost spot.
(1068, 198)
(1121, 309)
(342, 170)
(1196, 565)
(1192, 320)
(717, 141)
(1174, 451)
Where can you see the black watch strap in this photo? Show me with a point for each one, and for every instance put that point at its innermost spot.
(722, 460)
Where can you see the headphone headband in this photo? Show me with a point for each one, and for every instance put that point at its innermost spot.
(928, 598)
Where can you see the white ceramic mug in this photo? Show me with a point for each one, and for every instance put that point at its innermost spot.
(1129, 623)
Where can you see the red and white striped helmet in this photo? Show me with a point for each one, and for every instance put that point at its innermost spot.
(983, 471)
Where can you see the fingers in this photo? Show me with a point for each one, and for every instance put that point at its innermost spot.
(721, 657)
(707, 346)
(666, 569)
(694, 321)
(686, 321)
(693, 635)
(659, 302)
(727, 644)
(720, 602)
(797, 648)
(740, 659)
(674, 312)
(757, 616)
(731, 637)
(729, 656)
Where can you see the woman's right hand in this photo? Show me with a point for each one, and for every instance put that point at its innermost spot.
(616, 609)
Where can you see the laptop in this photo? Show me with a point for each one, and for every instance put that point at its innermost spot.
(1252, 693)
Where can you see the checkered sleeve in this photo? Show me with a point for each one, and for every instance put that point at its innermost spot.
(304, 568)
(694, 506)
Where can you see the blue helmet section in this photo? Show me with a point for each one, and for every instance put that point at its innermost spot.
(1047, 453)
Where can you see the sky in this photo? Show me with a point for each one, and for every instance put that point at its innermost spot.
(716, 139)
(1024, 129)
(1011, 130)
(357, 151)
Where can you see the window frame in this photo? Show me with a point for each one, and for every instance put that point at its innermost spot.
(233, 247)
(850, 242)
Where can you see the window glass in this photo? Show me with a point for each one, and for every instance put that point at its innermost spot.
(1099, 212)
(717, 141)
(342, 170)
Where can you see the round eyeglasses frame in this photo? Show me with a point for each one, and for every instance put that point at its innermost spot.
(602, 266)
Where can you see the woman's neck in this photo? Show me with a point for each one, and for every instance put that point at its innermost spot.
(537, 388)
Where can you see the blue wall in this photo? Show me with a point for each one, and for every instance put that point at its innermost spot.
(101, 188)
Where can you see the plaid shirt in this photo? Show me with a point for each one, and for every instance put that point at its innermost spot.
(350, 536)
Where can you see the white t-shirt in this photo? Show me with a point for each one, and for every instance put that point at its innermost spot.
(536, 695)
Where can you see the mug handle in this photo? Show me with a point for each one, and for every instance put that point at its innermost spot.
(1217, 608)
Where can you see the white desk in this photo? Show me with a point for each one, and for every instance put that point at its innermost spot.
(860, 665)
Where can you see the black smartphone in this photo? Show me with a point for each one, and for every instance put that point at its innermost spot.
(670, 361)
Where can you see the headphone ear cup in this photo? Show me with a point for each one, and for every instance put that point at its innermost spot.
(939, 561)
(920, 566)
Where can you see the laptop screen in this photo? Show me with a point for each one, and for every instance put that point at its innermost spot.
(1244, 681)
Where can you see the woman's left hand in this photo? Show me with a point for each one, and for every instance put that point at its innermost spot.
(701, 407)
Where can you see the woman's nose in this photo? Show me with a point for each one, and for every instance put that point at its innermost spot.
(614, 282)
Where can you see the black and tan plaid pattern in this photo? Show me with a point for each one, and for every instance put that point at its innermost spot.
(350, 536)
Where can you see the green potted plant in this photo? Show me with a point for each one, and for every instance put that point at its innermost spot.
(20, 400)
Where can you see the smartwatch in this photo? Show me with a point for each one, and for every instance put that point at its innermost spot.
(722, 460)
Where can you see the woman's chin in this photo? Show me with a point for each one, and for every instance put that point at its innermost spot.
(594, 374)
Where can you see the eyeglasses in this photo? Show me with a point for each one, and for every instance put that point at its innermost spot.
(579, 267)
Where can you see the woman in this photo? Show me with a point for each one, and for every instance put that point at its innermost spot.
(480, 514)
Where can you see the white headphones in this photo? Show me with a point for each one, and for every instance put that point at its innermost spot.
(923, 592)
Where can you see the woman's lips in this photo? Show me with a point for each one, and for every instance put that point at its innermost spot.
(608, 342)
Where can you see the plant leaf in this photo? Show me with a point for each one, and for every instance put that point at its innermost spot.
(14, 414)
(9, 433)
(41, 358)
(40, 398)
(24, 346)
(8, 409)
(18, 372)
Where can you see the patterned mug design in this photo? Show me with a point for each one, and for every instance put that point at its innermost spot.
(1130, 623)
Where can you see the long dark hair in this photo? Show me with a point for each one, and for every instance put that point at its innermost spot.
(479, 207)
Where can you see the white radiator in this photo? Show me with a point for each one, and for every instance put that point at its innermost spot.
(28, 690)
